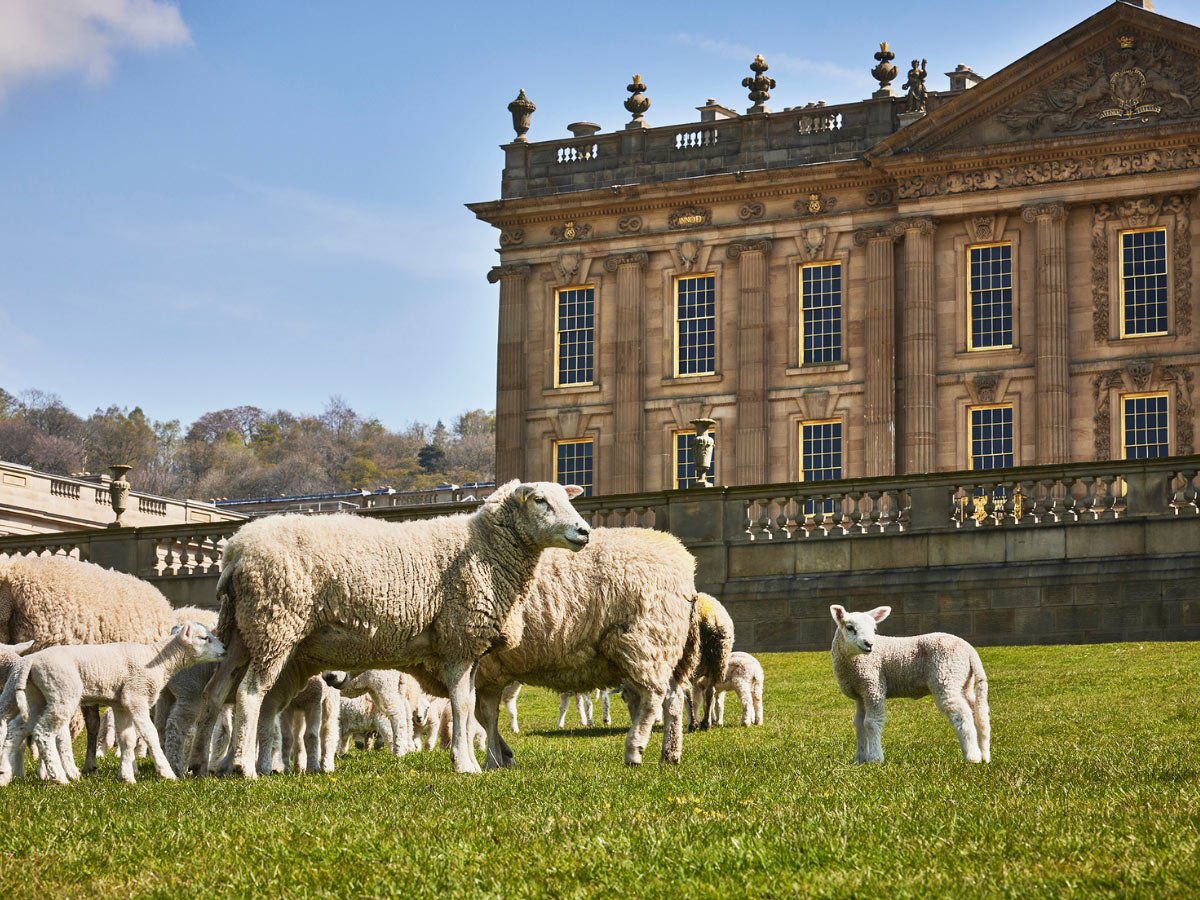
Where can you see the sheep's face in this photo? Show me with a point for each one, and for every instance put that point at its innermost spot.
(545, 517)
(200, 642)
(857, 629)
(420, 711)
(335, 678)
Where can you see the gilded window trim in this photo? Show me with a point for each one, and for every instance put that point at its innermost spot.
(555, 443)
(1012, 300)
(800, 311)
(800, 426)
(971, 407)
(1168, 249)
(1135, 395)
(558, 347)
(675, 279)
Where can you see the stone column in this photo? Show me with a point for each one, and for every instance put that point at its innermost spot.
(879, 348)
(626, 471)
(511, 380)
(920, 347)
(1053, 339)
(750, 437)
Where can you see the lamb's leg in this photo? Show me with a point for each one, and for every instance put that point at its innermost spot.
(746, 698)
(648, 704)
(45, 736)
(12, 762)
(756, 695)
(860, 731)
(330, 729)
(672, 745)
(564, 703)
(719, 699)
(983, 723)
(872, 730)
(460, 679)
(216, 692)
(709, 713)
(140, 713)
(91, 721)
(510, 703)
(290, 679)
(127, 742)
(605, 708)
(954, 707)
(692, 702)
(398, 712)
(583, 703)
(179, 731)
(487, 710)
(66, 754)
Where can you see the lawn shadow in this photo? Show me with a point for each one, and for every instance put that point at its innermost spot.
(594, 731)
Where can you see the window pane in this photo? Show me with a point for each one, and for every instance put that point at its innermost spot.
(820, 459)
(992, 437)
(696, 325)
(1145, 426)
(573, 464)
(685, 460)
(821, 313)
(576, 328)
(990, 285)
(1144, 282)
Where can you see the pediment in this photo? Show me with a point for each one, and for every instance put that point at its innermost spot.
(1123, 69)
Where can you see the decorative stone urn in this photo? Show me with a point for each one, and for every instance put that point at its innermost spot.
(118, 490)
(522, 110)
(702, 451)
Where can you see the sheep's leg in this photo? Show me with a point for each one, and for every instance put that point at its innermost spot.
(162, 712)
(510, 703)
(605, 709)
(291, 677)
(584, 703)
(179, 731)
(756, 696)
(91, 721)
(66, 754)
(746, 697)
(398, 713)
(709, 713)
(12, 763)
(954, 707)
(983, 724)
(860, 731)
(719, 700)
(330, 730)
(126, 742)
(564, 703)
(692, 701)
(140, 713)
(632, 700)
(648, 705)
(460, 679)
(216, 692)
(872, 731)
(487, 710)
(246, 716)
(672, 745)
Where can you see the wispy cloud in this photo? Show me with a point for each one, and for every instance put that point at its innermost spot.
(778, 61)
(48, 38)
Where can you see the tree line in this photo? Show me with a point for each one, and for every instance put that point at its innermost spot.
(246, 451)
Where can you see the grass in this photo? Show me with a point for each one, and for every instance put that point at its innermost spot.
(1094, 790)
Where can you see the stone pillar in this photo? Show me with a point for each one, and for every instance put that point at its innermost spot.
(879, 339)
(1053, 339)
(626, 471)
(920, 347)
(511, 377)
(750, 437)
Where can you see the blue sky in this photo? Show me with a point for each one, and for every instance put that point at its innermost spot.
(220, 202)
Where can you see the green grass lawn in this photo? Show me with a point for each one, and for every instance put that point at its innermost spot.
(1094, 789)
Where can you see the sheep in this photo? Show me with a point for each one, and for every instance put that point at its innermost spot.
(10, 655)
(301, 594)
(871, 667)
(744, 676)
(48, 686)
(309, 728)
(181, 701)
(58, 600)
(716, 643)
(393, 694)
(436, 727)
(621, 611)
(361, 717)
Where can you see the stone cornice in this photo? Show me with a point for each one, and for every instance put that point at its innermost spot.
(921, 224)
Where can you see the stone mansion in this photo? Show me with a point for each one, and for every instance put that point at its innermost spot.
(995, 275)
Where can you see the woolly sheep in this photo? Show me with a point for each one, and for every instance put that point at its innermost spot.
(394, 695)
(743, 676)
(309, 729)
(179, 706)
(716, 643)
(57, 600)
(621, 611)
(49, 685)
(869, 668)
(300, 594)
(359, 717)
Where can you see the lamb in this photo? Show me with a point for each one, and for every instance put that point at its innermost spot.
(621, 611)
(394, 695)
(57, 600)
(744, 676)
(181, 701)
(48, 686)
(585, 703)
(436, 727)
(302, 594)
(716, 643)
(871, 667)
(10, 655)
(309, 728)
(360, 717)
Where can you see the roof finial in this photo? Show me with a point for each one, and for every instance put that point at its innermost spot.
(636, 103)
(522, 110)
(885, 71)
(760, 85)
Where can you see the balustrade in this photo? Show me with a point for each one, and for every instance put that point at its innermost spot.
(575, 153)
(66, 489)
(701, 137)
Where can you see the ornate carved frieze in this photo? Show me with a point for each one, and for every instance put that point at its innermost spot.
(815, 204)
(571, 231)
(629, 224)
(751, 211)
(1181, 379)
(1143, 375)
(636, 258)
(508, 271)
(864, 236)
(689, 252)
(1128, 82)
(880, 197)
(1056, 171)
(1102, 386)
(737, 248)
(689, 217)
(1054, 211)
(920, 224)
(512, 237)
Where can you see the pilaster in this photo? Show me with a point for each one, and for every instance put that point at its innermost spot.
(750, 437)
(879, 350)
(1053, 340)
(919, 376)
(626, 470)
(510, 371)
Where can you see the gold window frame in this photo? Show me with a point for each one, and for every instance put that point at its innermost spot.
(1122, 333)
(816, 264)
(675, 324)
(1137, 395)
(1012, 296)
(557, 344)
(971, 435)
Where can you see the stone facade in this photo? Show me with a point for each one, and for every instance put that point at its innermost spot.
(1095, 133)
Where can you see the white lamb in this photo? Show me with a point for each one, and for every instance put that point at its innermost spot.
(585, 704)
(436, 727)
(869, 668)
(743, 676)
(308, 729)
(359, 717)
(302, 594)
(393, 694)
(50, 685)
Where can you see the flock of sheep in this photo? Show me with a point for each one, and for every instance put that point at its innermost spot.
(413, 635)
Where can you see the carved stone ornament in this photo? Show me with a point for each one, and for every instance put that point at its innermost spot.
(522, 109)
(864, 236)
(813, 240)
(920, 224)
(637, 258)
(737, 248)
(514, 270)
(689, 252)
(751, 211)
(689, 217)
(629, 224)
(567, 265)
(815, 204)
(760, 85)
(985, 227)
(637, 104)
(571, 231)
(1056, 212)
(1102, 386)
(1052, 172)
(880, 197)
(1141, 376)
(917, 94)
(885, 73)
(985, 388)
(512, 237)
(1128, 82)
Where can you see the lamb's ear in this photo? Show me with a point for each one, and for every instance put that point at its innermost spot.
(573, 490)
(186, 631)
(22, 648)
(880, 613)
(838, 613)
(175, 629)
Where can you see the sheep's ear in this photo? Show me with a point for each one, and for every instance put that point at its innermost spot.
(524, 491)
(573, 490)
(880, 613)
(175, 629)
(838, 613)
(186, 631)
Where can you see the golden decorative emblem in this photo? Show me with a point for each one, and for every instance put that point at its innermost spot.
(569, 232)
(980, 515)
(814, 203)
(1018, 504)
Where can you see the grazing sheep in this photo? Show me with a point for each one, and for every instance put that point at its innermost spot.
(743, 676)
(716, 643)
(57, 600)
(301, 594)
(621, 611)
(48, 686)
(869, 668)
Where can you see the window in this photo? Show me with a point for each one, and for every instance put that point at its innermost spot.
(820, 313)
(695, 325)
(575, 331)
(1144, 426)
(573, 464)
(990, 296)
(685, 460)
(991, 437)
(1144, 282)
(820, 459)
